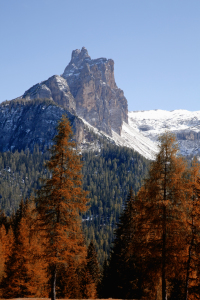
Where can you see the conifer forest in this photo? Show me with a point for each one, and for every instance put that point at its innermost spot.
(105, 223)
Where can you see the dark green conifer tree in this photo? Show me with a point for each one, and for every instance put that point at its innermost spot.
(92, 264)
(123, 275)
(104, 284)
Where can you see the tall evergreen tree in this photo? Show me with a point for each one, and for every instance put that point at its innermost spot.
(59, 202)
(92, 263)
(104, 286)
(122, 275)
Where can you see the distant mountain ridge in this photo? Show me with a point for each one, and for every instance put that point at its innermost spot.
(183, 123)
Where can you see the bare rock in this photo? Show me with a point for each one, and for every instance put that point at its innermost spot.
(55, 88)
(98, 99)
(87, 88)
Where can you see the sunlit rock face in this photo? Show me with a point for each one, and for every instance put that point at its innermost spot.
(87, 88)
(54, 88)
(98, 99)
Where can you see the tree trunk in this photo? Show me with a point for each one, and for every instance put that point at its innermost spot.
(164, 296)
(188, 263)
(187, 275)
(53, 284)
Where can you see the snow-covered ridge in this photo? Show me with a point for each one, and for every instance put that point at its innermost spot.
(144, 128)
(130, 138)
(185, 124)
(133, 139)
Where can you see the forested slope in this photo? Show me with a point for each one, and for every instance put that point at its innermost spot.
(108, 175)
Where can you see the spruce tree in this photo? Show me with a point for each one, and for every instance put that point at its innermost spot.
(104, 286)
(122, 275)
(92, 263)
(92, 266)
(59, 202)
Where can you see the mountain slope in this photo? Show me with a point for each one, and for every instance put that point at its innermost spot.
(108, 175)
(24, 124)
(184, 124)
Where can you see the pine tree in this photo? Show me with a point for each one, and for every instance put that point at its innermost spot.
(104, 286)
(122, 274)
(59, 202)
(92, 263)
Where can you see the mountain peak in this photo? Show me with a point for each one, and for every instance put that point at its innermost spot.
(79, 59)
(80, 54)
(87, 88)
(98, 99)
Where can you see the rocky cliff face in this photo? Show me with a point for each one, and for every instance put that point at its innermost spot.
(98, 99)
(55, 88)
(87, 88)
(27, 123)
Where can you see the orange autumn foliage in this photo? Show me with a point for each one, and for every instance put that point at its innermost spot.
(6, 244)
(192, 253)
(48, 253)
(161, 219)
(25, 276)
(59, 202)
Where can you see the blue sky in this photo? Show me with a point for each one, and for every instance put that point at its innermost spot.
(155, 45)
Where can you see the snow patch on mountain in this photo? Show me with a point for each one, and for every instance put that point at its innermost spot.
(184, 124)
(133, 139)
(130, 138)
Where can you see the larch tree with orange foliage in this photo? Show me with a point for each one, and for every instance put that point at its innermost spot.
(6, 246)
(192, 281)
(160, 221)
(25, 274)
(59, 203)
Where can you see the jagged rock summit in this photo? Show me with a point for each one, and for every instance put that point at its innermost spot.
(87, 88)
